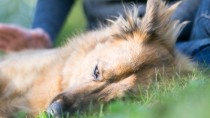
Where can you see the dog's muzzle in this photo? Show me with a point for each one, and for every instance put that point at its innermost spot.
(55, 110)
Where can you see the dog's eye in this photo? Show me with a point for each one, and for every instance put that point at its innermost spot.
(96, 73)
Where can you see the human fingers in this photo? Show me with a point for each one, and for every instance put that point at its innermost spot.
(12, 30)
(6, 38)
(39, 39)
(3, 47)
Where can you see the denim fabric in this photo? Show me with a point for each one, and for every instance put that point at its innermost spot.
(50, 15)
(186, 12)
(198, 46)
(201, 27)
(198, 50)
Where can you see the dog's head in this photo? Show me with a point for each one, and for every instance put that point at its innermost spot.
(133, 52)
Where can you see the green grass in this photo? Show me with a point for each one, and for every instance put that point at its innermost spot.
(179, 97)
(174, 99)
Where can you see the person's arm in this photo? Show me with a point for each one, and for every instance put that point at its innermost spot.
(50, 15)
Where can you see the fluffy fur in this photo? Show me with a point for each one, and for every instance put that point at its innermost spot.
(96, 66)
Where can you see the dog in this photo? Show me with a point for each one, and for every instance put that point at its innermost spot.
(97, 66)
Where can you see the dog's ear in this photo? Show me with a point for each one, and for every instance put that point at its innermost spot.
(157, 23)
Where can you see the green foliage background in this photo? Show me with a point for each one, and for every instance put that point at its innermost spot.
(17, 12)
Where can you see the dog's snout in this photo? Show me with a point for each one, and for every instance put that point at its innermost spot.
(61, 105)
(55, 109)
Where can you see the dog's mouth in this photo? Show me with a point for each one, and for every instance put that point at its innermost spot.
(64, 105)
(92, 93)
(68, 103)
(55, 109)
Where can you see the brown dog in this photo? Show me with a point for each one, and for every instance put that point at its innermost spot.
(96, 66)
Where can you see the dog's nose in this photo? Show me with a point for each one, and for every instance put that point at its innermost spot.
(61, 106)
(55, 110)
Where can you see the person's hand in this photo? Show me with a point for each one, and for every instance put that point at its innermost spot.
(15, 38)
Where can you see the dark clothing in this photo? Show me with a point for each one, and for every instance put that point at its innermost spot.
(198, 45)
(194, 40)
(51, 14)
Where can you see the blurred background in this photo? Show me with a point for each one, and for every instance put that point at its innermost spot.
(21, 12)
(17, 11)
(183, 98)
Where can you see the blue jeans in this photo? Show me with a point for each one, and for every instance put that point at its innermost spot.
(50, 15)
(198, 46)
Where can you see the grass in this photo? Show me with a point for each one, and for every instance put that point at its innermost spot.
(181, 97)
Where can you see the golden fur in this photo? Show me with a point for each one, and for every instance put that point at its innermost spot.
(96, 66)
